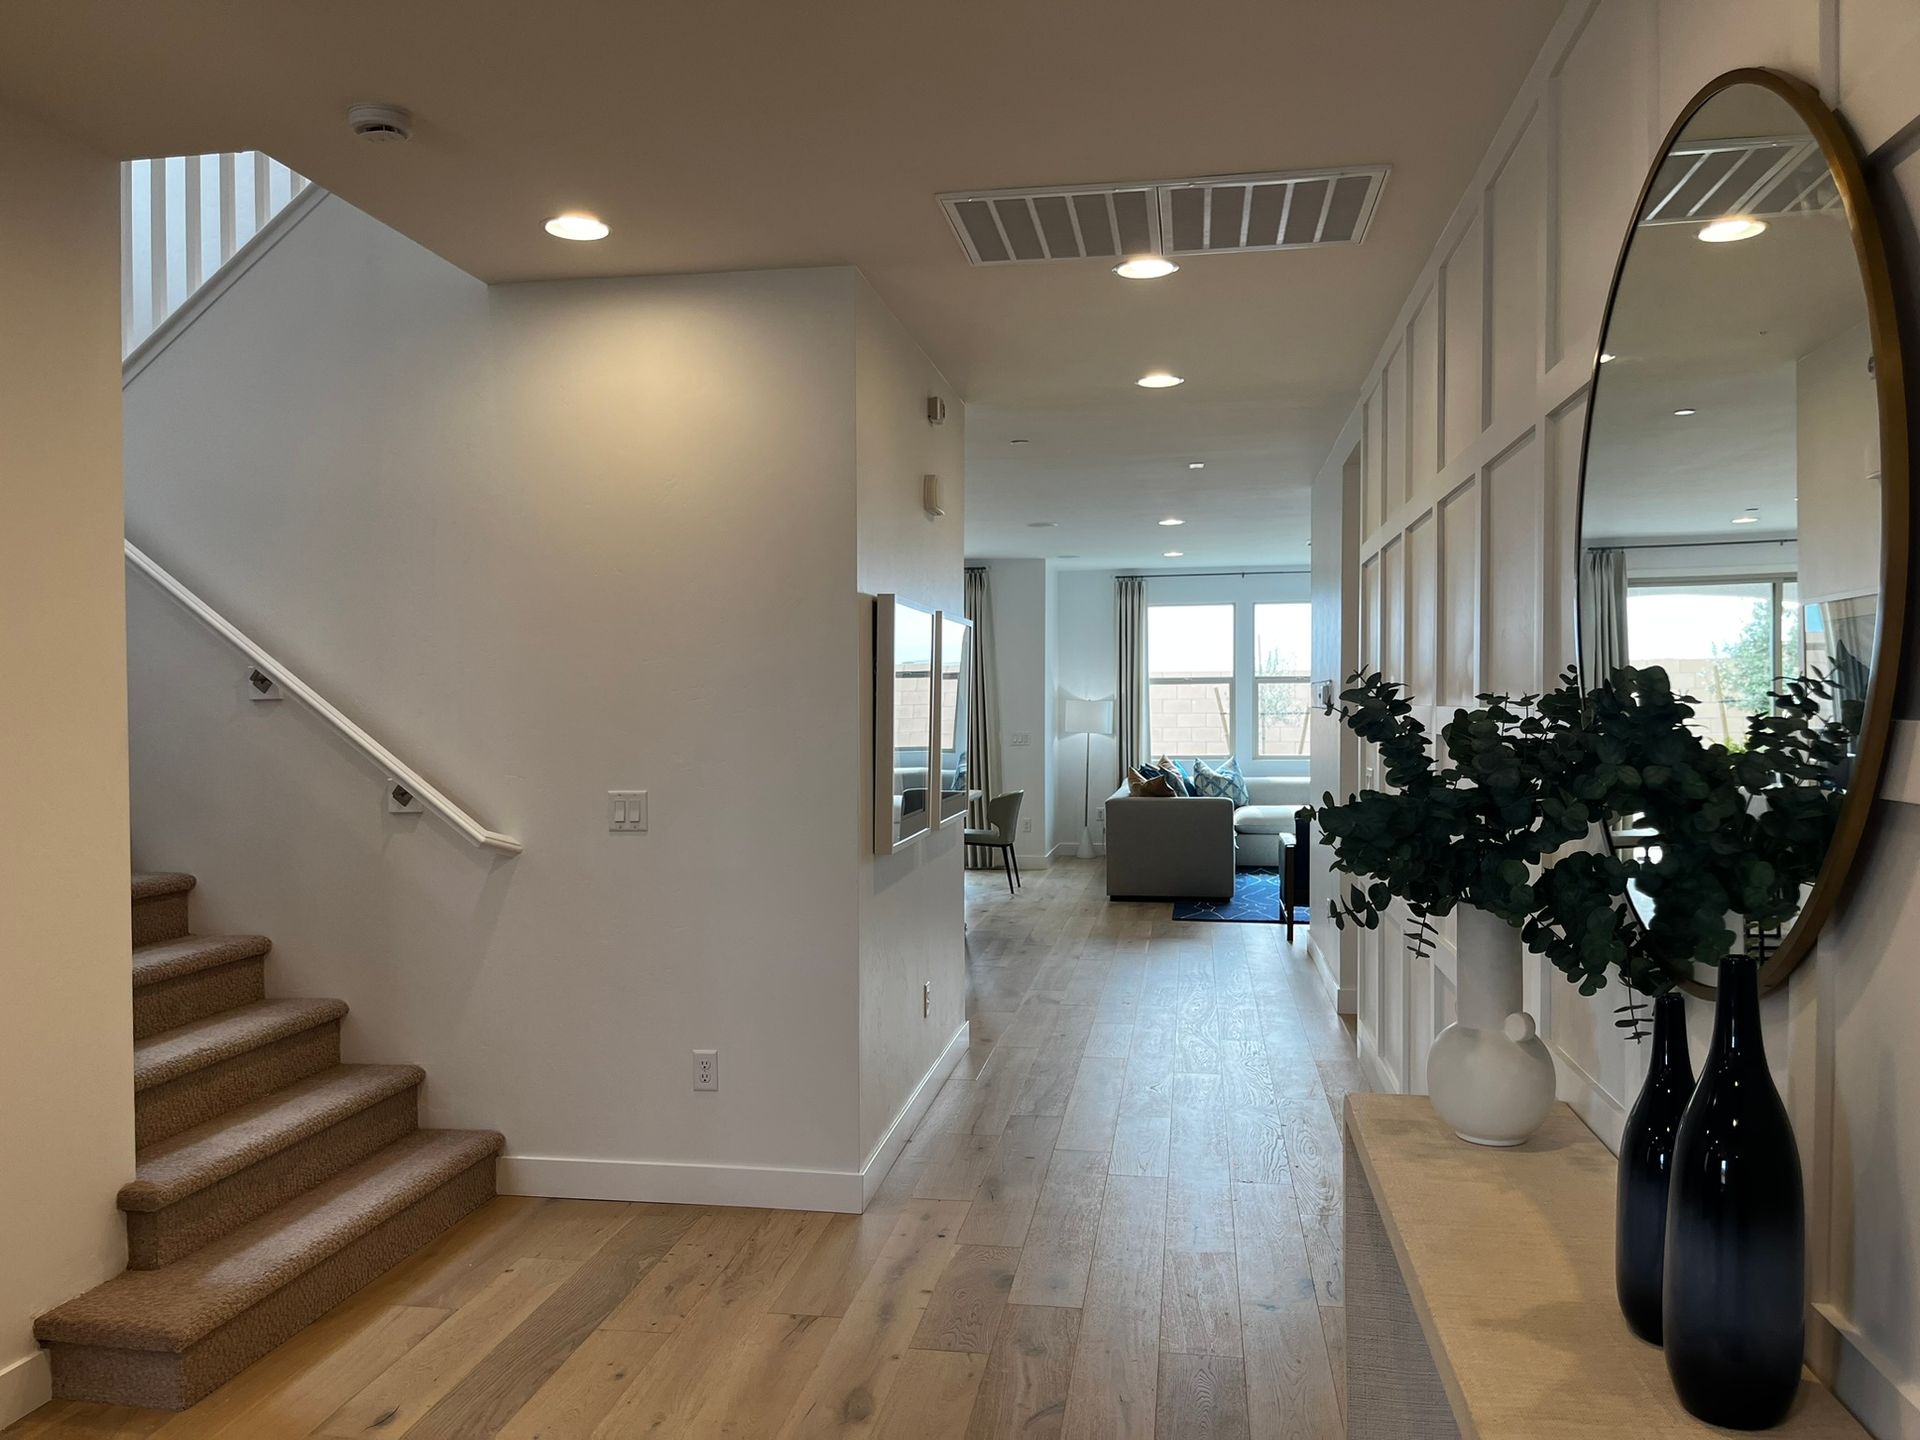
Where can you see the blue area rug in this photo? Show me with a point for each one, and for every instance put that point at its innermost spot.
(1256, 899)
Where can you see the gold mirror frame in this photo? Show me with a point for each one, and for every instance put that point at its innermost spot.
(1843, 160)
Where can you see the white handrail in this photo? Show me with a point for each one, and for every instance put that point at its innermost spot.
(396, 768)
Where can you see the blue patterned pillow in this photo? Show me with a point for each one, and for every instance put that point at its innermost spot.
(1182, 783)
(1226, 782)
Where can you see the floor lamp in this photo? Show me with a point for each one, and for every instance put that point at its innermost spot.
(1088, 718)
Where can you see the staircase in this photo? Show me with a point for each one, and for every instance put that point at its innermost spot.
(271, 1181)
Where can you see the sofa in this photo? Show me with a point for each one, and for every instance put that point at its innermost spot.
(1187, 848)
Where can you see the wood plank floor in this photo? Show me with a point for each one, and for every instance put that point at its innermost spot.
(1120, 1218)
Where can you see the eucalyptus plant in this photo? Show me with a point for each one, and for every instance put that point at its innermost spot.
(1517, 780)
(1465, 826)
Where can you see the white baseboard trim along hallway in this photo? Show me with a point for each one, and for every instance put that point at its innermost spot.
(25, 1385)
(769, 1187)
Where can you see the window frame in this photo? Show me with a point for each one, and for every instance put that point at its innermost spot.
(1260, 678)
(1241, 592)
(1231, 678)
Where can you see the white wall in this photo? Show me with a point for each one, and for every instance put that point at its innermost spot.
(544, 540)
(1471, 425)
(66, 1027)
(1022, 595)
(912, 927)
(1086, 666)
(1336, 634)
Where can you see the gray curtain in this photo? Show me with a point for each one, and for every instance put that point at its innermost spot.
(1130, 707)
(983, 744)
(1603, 614)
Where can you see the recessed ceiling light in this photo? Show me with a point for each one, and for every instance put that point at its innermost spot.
(1606, 358)
(1684, 412)
(1040, 524)
(1734, 227)
(1144, 267)
(577, 226)
(1160, 380)
(1746, 519)
(1172, 554)
(1196, 464)
(1171, 521)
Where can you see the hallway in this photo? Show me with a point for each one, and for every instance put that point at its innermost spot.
(1121, 1217)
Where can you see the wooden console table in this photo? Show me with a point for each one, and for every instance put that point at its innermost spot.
(1480, 1296)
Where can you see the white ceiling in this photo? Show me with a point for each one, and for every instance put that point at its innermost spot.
(742, 135)
(1717, 329)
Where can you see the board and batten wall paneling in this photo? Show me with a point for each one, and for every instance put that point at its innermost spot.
(1470, 427)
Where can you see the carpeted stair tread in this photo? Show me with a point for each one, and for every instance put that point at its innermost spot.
(174, 1053)
(185, 1164)
(172, 1308)
(189, 954)
(151, 884)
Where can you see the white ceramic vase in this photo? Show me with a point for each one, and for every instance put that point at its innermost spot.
(1488, 1074)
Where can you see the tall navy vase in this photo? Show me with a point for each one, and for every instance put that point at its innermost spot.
(1646, 1165)
(1734, 1317)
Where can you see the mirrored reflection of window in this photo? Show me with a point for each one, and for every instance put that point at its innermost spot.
(1727, 643)
(1283, 690)
(1190, 680)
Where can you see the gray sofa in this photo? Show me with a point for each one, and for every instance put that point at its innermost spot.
(1187, 849)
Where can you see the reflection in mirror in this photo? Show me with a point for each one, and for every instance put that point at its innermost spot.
(904, 641)
(956, 671)
(1730, 526)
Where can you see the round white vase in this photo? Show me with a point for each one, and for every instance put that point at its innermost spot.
(1488, 1074)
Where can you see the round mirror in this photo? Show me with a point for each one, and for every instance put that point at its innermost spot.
(1743, 511)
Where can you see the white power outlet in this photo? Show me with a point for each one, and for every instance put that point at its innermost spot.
(1026, 826)
(706, 1069)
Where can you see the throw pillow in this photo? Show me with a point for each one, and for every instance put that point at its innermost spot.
(1176, 776)
(1150, 787)
(1225, 782)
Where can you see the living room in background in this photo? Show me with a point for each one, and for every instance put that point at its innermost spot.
(1228, 669)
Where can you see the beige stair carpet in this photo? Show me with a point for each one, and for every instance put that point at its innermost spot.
(271, 1181)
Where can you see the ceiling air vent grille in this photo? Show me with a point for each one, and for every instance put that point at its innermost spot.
(1770, 175)
(1216, 215)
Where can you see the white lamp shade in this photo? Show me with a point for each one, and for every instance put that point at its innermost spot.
(1086, 717)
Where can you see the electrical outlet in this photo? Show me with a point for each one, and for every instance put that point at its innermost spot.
(926, 998)
(706, 1069)
(1026, 826)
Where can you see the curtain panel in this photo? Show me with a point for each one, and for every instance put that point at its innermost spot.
(1130, 625)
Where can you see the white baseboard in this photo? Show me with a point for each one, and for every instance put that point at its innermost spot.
(765, 1187)
(1863, 1378)
(890, 1144)
(25, 1385)
(1070, 849)
(1600, 1111)
(1345, 998)
(1038, 860)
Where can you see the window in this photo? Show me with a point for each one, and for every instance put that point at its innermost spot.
(1724, 642)
(1216, 643)
(1283, 693)
(1190, 680)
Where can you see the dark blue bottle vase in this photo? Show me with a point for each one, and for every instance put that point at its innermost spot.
(1735, 1293)
(1646, 1166)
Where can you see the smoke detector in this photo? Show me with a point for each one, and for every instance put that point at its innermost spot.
(381, 124)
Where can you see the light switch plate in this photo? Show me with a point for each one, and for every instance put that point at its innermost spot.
(626, 809)
(1020, 737)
